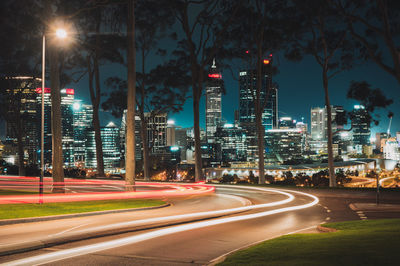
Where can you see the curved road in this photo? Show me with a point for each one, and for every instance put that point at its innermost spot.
(196, 242)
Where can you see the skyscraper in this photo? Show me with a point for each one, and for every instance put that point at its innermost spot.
(361, 126)
(83, 117)
(21, 94)
(247, 85)
(67, 117)
(214, 89)
(111, 146)
(319, 121)
(157, 132)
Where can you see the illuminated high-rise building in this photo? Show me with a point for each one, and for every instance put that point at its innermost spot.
(67, 122)
(360, 124)
(247, 86)
(319, 121)
(214, 89)
(22, 106)
(83, 118)
(111, 145)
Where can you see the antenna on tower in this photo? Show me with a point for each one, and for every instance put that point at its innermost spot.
(213, 65)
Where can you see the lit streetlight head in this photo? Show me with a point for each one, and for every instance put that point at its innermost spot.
(61, 33)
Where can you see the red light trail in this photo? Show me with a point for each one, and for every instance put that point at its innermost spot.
(31, 184)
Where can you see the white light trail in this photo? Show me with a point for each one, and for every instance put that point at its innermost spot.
(79, 251)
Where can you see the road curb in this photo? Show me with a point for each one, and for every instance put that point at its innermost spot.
(324, 229)
(67, 216)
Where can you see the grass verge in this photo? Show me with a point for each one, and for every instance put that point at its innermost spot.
(369, 242)
(13, 211)
(15, 192)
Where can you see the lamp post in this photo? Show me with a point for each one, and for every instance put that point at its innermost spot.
(61, 34)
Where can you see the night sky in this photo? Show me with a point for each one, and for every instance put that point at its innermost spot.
(300, 89)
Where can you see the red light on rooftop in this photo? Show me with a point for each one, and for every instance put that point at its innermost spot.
(215, 76)
(70, 91)
(247, 51)
(46, 90)
(270, 55)
(266, 61)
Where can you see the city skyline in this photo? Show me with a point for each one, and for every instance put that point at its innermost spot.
(291, 75)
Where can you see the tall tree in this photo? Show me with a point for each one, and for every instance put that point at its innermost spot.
(131, 100)
(204, 31)
(326, 38)
(258, 31)
(95, 46)
(56, 125)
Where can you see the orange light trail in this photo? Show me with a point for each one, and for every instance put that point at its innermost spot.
(159, 190)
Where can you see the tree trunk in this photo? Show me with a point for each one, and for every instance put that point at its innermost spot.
(56, 123)
(95, 97)
(332, 177)
(131, 101)
(260, 142)
(197, 140)
(98, 141)
(145, 145)
(20, 144)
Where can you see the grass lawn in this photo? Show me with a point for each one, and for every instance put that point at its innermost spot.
(369, 242)
(12, 211)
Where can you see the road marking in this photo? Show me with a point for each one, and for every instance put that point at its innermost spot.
(68, 230)
(327, 210)
(79, 251)
(244, 201)
(327, 218)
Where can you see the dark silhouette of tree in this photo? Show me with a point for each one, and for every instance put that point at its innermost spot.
(18, 60)
(375, 25)
(203, 34)
(94, 47)
(326, 38)
(370, 98)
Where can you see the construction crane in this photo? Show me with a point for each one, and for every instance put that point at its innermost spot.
(390, 116)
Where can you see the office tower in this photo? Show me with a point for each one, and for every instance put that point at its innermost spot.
(391, 150)
(361, 126)
(283, 144)
(156, 131)
(111, 146)
(247, 86)
(319, 121)
(21, 105)
(380, 140)
(232, 140)
(138, 139)
(171, 139)
(214, 89)
(67, 120)
(67, 101)
(83, 119)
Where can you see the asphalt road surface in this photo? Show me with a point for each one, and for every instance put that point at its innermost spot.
(188, 241)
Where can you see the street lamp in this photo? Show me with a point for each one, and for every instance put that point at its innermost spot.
(61, 34)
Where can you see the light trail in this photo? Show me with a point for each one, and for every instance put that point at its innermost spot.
(161, 190)
(79, 251)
